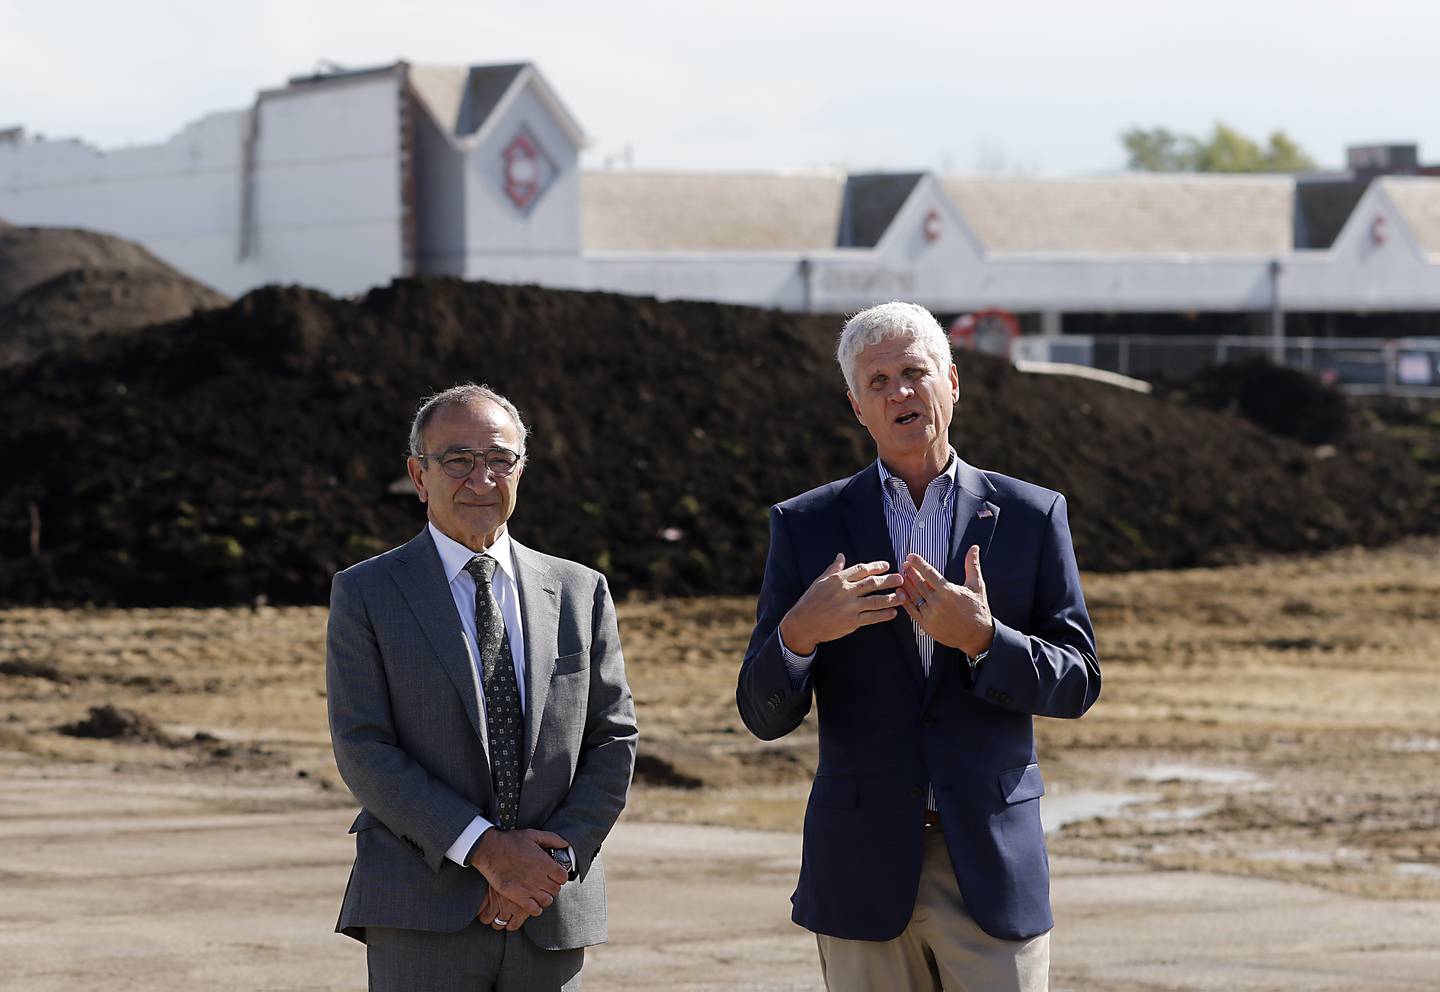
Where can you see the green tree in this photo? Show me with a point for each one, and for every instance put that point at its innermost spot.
(1158, 149)
(1284, 155)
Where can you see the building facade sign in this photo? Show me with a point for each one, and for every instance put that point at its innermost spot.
(529, 171)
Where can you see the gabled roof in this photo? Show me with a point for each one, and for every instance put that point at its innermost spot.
(1322, 207)
(1129, 214)
(660, 211)
(466, 101)
(871, 202)
(1418, 200)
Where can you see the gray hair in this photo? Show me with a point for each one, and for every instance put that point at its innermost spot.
(891, 320)
(463, 395)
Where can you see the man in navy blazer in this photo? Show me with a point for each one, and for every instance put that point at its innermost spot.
(929, 610)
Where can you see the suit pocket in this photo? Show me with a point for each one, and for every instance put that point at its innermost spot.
(1020, 784)
(834, 792)
(569, 664)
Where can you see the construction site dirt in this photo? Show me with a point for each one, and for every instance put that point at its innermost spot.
(260, 447)
(1251, 805)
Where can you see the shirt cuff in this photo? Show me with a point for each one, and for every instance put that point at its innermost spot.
(460, 850)
(797, 666)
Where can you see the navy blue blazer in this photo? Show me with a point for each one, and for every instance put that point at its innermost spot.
(886, 730)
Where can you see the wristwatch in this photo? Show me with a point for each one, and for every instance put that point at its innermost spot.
(563, 859)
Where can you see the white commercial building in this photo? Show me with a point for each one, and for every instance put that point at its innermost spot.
(346, 180)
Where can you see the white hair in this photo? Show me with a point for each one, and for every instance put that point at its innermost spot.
(462, 395)
(891, 320)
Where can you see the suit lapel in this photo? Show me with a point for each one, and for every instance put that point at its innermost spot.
(865, 521)
(421, 579)
(973, 523)
(540, 619)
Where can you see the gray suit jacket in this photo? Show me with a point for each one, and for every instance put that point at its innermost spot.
(410, 738)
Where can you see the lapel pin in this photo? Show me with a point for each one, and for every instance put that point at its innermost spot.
(986, 512)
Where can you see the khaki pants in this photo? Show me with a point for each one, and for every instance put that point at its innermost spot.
(941, 947)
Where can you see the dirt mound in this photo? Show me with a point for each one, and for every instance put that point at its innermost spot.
(59, 285)
(251, 451)
(1283, 401)
(110, 723)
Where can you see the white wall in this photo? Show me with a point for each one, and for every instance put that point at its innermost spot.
(328, 209)
(494, 226)
(439, 198)
(180, 199)
(326, 183)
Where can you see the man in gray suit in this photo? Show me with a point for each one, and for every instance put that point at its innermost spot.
(480, 714)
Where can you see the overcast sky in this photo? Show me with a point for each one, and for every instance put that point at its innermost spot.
(1003, 86)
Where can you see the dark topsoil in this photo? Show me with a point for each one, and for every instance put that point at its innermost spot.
(251, 451)
(59, 285)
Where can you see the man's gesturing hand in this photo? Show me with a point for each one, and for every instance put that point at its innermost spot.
(515, 864)
(840, 601)
(957, 616)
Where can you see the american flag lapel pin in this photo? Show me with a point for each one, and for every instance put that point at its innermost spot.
(984, 512)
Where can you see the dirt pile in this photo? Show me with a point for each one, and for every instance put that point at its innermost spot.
(1281, 400)
(252, 451)
(107, 723)
(59, 285)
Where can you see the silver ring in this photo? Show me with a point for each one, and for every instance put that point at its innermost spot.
(499, 922)
(919, 602)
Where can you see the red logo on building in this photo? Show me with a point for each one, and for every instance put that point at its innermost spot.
(933, 226)
(528, 170)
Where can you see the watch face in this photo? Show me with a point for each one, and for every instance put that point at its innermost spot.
(561, 856)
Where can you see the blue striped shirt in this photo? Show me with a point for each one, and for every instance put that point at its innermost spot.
(924, 531)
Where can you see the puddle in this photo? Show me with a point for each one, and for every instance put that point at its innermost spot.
(1417, 868)
(1209, 775)
(1071, 807)
(1182, 813)
(1295, 856)
(1416, 744)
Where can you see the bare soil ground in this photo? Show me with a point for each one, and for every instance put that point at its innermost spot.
(1279, 721)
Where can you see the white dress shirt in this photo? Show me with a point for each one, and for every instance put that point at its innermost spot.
(454, 556)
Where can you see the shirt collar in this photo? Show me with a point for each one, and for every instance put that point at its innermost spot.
(454, 556)
(947, 479)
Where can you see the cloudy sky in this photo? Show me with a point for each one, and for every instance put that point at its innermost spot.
(1003, 86)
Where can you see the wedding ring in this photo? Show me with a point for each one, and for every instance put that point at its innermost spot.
(500, 923)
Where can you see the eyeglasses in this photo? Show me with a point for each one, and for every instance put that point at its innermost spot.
(460, 462)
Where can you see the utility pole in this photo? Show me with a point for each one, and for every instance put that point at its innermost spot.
(1277, 314)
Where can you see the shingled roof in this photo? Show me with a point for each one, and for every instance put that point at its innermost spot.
(1199, 214)
(871, 202)
(662, 211)
(1322, 207)
(1418, 200)
(462, 99)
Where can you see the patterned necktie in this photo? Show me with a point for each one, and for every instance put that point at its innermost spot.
(502, 694)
